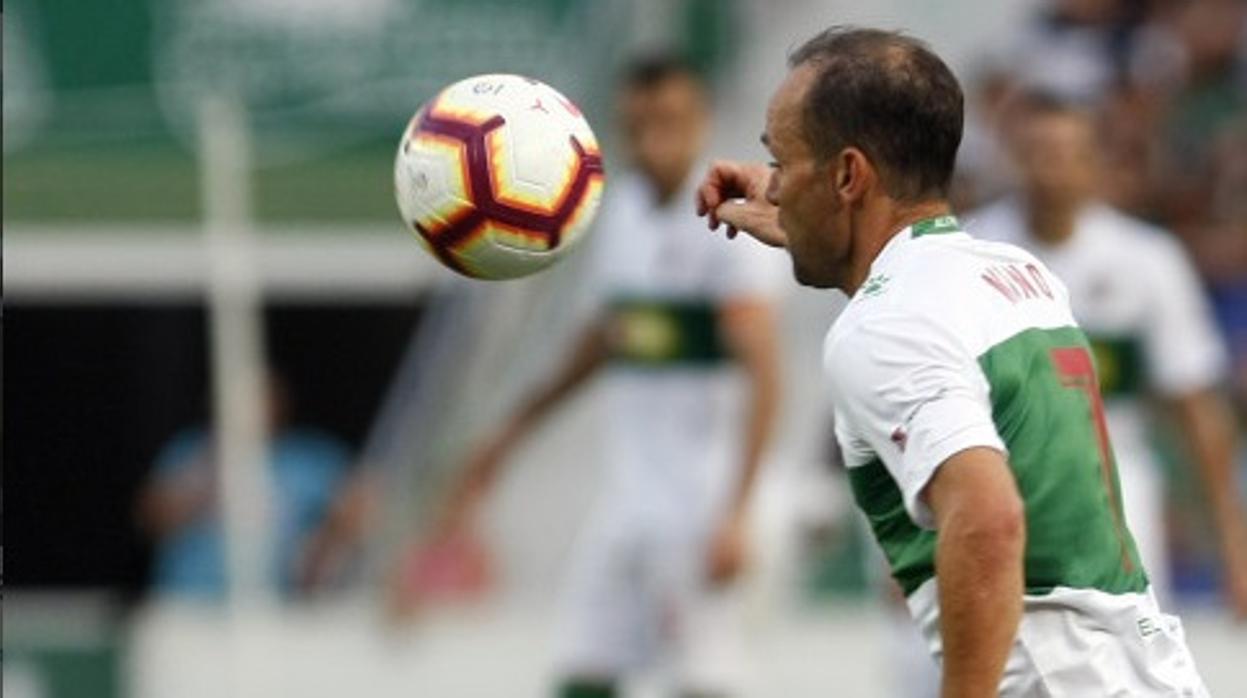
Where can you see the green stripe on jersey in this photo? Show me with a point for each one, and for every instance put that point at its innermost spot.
(1045, 408)
(910, 550)
(665, 333)
(1120, 363)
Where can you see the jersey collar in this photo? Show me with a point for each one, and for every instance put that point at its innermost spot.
(938, 225)
(927, 227)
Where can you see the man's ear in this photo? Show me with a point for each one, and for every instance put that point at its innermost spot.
(855, 175)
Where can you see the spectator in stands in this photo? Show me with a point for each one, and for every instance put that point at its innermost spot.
(179, 507)
(1204, 100)
(1191, 68)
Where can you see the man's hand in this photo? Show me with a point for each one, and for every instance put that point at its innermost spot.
(748, 328)
(729, 549)
(446, 553)
(734, 193)
(453, 568)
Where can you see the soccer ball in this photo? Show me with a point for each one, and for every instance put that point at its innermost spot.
(498, 176)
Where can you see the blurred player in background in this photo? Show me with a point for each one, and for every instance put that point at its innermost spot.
(1134, 292)
(179, 508)
(650, 580)
(965, 394)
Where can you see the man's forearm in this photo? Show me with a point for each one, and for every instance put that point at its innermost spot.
(750, 327)
(1208, 427)
(588, 355)
(980, 575)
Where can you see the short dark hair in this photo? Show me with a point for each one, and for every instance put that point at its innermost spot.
(890, 96)
(650, 70)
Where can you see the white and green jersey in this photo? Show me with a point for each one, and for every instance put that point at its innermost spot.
(674, 400)
(636, 595)
(953, 343)
(1151, 330)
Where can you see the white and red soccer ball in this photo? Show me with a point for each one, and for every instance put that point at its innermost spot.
(498, 176)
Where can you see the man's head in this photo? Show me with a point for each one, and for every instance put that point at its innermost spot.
(1053, 145)
(665, 117)
(865, 118)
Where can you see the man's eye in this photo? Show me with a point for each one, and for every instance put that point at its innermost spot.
(774, 164)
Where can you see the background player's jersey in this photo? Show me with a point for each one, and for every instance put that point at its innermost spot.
(1136, 296)
(661, 277)
(953, 343)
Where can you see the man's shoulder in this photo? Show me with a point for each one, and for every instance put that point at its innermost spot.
(877, 322)
(940, 275)
(956, 289)
(625, 200)
(1128, 237)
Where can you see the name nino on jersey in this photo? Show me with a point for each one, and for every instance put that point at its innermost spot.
(1016, 282)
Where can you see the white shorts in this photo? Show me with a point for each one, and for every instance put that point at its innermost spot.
(637, 601)
(1078, 643)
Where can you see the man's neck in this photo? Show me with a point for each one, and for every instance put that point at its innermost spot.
(665, 191)
(664, 194)
(879, 227)
(1051, 223)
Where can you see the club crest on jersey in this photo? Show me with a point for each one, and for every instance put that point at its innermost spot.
(875, 285)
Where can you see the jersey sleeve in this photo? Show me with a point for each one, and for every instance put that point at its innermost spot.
(1183, 348)
(908, 393)
(599, 256)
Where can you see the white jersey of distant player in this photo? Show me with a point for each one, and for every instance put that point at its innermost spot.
(636, 593)
(1138, 299)
(675, 403)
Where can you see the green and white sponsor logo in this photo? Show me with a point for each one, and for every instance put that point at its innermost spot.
(1121, 364)
(665, 333)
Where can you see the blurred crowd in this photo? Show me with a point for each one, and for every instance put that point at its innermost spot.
(1167, 80)
(179, 507)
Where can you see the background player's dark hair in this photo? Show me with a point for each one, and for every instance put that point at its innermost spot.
(890, 96)
(650, 70)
